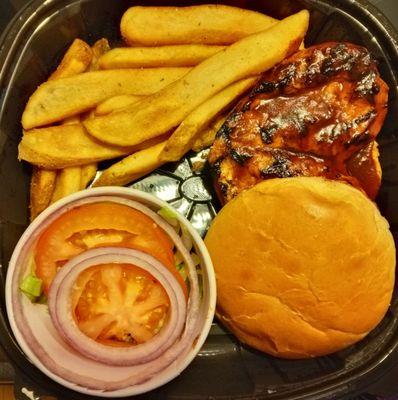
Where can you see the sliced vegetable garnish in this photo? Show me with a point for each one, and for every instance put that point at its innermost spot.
(181, 269)
(174, 333)
(31, 286)
(119, 304)
(169, 215)
(101, 310)
(99, 225)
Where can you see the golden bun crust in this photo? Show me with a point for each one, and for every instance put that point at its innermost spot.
(305, 266)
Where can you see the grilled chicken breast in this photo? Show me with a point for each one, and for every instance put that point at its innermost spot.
(315, 114)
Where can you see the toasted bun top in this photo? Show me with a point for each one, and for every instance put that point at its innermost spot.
(305, 266)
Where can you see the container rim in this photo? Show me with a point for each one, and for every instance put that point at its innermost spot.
(365, 12)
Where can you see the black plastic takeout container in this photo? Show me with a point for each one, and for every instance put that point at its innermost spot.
(31, 47)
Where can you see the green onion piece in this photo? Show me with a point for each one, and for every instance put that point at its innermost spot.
(31, 286)
(169, 215)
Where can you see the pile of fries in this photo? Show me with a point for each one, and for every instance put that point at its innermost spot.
(152, 102)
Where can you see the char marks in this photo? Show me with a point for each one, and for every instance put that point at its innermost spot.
(306, 117)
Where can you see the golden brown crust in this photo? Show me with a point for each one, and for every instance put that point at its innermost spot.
(75, 61)
(41, 190)
(199, 24)
(310, 269)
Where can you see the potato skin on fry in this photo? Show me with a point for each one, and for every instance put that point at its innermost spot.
(207, 136)
(203, 24)
(68, 182)
(75, 61)
(182, 138)
(72, 179)
(41, 190)
(164, 56)
(132, 167)
(56, 100)
(65, 146)
(43, 182)
(100, 47)
(165, 109)
(88, 174)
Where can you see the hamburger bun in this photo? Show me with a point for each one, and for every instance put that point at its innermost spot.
(305, 266)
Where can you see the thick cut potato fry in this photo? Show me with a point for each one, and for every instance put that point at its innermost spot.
(164, 56)
(72, 179)
(183, 137)
(116, 103)
(68, 182)
(132, 167)
(75, 61)
(65, 146)
(164, 110)
(56, 100)
(100, 47)
(41, 190)
(204, 24)
(207, 136)
(88, 174)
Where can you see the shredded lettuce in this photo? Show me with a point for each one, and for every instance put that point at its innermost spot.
(181, 269)
(42, 299)
(31, 287)
(169, 215)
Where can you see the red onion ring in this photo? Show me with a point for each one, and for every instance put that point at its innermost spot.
(59, 303)
(139, 373)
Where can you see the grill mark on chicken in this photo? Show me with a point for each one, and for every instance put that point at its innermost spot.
(305, 117)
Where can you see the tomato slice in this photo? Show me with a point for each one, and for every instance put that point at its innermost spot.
(119, 304)
(99, 225)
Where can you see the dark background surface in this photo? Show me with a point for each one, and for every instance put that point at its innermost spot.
(385, 388)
